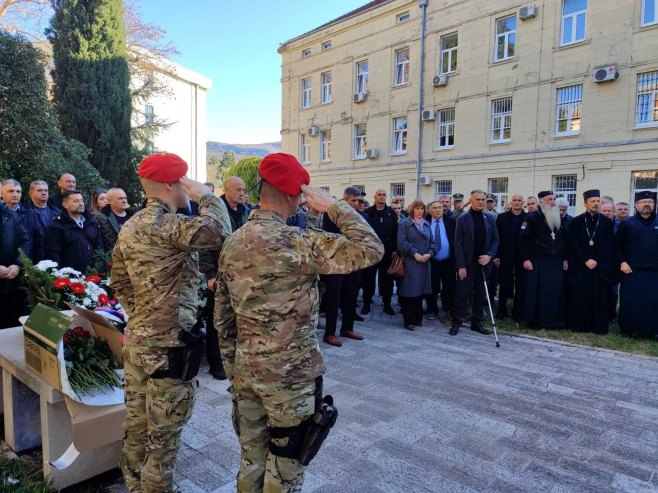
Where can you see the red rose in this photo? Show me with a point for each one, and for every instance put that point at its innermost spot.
(93, 278)
(109, 265)
(61, 283)
(103, 299)
(77, 287)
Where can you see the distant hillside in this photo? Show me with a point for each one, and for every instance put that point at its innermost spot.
(217, 149)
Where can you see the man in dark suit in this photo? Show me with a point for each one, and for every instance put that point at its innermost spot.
(476, 243)
(443, 263)
(508, 258)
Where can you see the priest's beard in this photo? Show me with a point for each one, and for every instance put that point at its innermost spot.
(552, 215)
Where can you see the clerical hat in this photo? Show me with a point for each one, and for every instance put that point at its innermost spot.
(646, 194)
(591, 193)
(545, 193)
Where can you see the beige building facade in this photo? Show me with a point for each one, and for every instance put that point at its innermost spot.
(516, 97)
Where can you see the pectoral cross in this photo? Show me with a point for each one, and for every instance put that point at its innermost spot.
(553, 235)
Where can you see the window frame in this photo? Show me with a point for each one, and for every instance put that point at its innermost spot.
(401, 68)
(449, 53)
(395, 188)
(360, 141)
(325, 146)
(362, 77)
(400, 137)
(506, 37)
(304, 150)
(652, 106)
(447, 125)
(571, 106)
(574, 26)
(501, 115)
(327, 45)
(643, 21)
(569, 193)
(307, 53)
(326, 96)
(304, 103)
(501, 197)
(149, 114)
(399, 18)
(438, 193)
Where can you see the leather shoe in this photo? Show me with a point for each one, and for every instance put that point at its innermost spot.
(366, 309)
(410, 327)
(332, 341)
(350, 334)
(389, 310)
(359, 318)
(218, 374)
(478, 327)
(454, 329)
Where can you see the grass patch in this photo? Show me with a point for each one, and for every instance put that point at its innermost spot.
(613, 340)
(26, 470)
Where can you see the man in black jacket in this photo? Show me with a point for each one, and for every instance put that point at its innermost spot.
(384, 221)
(74, 235)
(11, 193)
(476, 243)
(37, 201)
(113, 216)
(65, 182)
(12, 237)
(443, 263)
(508, 259)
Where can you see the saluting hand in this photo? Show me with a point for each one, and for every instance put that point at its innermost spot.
(318, 199)
(194, 189)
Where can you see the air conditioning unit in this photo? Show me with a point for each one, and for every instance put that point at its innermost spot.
(440, 80)
(605, 74)
(313, 131)
(429, 115)
(528, 12)
(360, 97)
(426, 180)
(372, 154)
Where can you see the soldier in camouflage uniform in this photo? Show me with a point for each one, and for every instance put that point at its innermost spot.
(155, 275)
(266, 313)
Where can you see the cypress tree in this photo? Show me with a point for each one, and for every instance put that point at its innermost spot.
(91, 83)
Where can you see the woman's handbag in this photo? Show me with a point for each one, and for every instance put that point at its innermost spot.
(396, 269)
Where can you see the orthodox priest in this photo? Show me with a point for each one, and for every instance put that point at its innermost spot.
(591, 263)
(637, 247)
(543, 247)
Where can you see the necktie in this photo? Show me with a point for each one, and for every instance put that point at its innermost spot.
(437, 236)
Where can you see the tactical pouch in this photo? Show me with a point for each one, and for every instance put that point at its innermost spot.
(192, 353)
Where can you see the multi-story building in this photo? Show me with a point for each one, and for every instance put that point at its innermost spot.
(513, 97)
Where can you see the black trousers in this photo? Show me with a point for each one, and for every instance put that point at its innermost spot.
(471, 288)
(213, 355)
(443, 283)
(509, 282)
(13, 306)
(378, 271)
(412, 310)
(341, 292)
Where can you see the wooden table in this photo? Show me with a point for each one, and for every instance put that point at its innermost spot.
(36, 414)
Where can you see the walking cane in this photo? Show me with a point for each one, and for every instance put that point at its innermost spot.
(486, 290)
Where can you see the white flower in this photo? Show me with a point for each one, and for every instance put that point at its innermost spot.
(86, 302)
(44, 265)
(67, 272)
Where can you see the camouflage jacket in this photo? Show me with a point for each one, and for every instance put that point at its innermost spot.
(266, 301)
(155, 271)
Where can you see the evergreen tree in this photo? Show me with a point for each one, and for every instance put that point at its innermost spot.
(91, 84)
(247, 169)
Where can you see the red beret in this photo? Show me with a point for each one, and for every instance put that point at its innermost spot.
(163, 167)
(284, 173)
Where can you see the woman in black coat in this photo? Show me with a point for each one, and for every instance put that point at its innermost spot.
(416, 247)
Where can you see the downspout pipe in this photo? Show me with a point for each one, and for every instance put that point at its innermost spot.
(423, 21)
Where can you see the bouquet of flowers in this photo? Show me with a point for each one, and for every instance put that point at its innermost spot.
(89, 361)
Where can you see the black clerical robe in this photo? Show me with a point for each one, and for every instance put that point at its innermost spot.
(591, 237)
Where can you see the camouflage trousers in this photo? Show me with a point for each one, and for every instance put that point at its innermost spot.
(256, 406)
(158, 409)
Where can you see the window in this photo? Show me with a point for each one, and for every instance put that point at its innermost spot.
(325, 95)
(646, 112)
(505, 38)
(404, 17)
(649, 12)
(325, 145)
(501, 120)
(443, 187)
(362, 77)
(304, 149)
(306, 53)
(148, 114)
(360, 140)
(567, 118)
(326, 45)
(399, 135)
(446, 119)
(306, 93)
(448, 62)
(565, 186)
(574, 17)
(397, 189)
(401, 75)
(498, 187)
(644, 180)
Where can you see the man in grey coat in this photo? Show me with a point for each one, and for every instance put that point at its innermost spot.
(476, 243)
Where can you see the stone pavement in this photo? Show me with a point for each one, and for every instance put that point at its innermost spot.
(426, 412)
